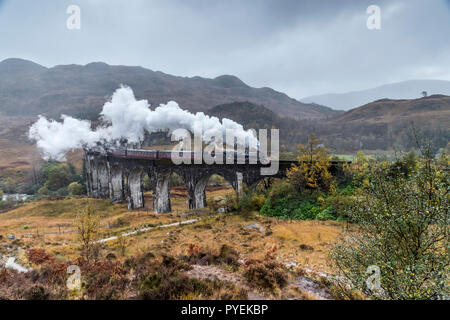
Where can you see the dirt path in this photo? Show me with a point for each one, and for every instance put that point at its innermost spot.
(308, 286)
(126, 234)
(311, 288)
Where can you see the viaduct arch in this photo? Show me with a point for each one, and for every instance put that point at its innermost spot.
(119, 177)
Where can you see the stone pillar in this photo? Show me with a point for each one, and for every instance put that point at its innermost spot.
(134, 189)
(94, 178)
(239, 185)
(116, 184)
(190, 178)
(161, 192)
(88, 173)
(199, 200)
(103, 180)
(190, 186)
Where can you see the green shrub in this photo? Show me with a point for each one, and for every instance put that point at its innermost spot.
(75, 189)
(403, 167)
(230, 202)
(62, 192)
(58, 175)
(280, 189)
(290, 207)
(216, 180)
(403, 227)
(307, 211)
(341, 200)
(175, 180)
(249, 202)
(146, 183)
(258, 200)
(329, 213)
(44, 191)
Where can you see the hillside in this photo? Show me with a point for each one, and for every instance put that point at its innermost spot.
(380, 125)
(248, 114)
(402, 90)
(388, 110)
(27, 88)
(386, 123)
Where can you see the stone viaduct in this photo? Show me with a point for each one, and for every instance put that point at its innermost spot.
(118, 175)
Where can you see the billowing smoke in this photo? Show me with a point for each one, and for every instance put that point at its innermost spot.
(125, 118)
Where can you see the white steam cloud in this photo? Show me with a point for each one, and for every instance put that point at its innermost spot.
(124, 117)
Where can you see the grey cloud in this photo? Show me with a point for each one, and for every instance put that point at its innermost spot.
(299, 47)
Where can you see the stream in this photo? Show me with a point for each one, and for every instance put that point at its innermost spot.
(11, 264)
(15, 197)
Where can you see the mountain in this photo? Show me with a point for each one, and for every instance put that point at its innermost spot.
(402, 90)
(19, 67)
(27, 88)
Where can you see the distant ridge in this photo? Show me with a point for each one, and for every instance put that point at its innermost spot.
(14, 65)
(402, 90)
(27, 88)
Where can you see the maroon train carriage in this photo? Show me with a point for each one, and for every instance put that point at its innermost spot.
(167, 154)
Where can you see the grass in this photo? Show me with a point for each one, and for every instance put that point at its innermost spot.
(316, 236)
(345, 157)
(50, 225)
(212, 232)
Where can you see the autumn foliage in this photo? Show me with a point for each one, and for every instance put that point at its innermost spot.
(312, 171)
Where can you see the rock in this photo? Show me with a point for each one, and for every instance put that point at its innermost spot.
(312, 287)
(255, 226)
(291, 264)
(203, 261)
(306, 247)
(111, 256)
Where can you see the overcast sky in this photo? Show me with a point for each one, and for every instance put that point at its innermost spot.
(298, 47)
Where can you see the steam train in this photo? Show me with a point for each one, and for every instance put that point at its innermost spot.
(186, 155)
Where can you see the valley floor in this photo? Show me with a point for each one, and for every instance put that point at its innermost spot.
(299, 245)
